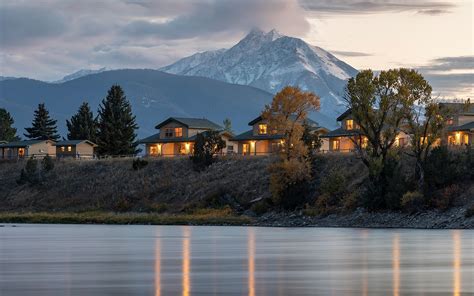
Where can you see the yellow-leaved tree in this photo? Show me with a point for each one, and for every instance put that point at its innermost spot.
(286, 116)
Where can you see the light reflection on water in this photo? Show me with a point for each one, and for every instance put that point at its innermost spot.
(173, 260)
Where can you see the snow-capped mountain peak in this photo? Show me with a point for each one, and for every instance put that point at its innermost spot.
(271, 61)
(80, 73)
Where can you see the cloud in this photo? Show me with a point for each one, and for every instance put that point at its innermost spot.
(26, 25)
(351, 53)
(451, 76)
(433, 11)
(375, 6)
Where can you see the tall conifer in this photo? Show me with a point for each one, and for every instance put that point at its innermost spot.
(82, 125)
(7, 131)
(117, 125)
(43, 126)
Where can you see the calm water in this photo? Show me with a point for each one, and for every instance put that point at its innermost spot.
(174, 260)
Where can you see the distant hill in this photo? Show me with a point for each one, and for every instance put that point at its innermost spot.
(154, 96)
(79, 74)
(271, 61)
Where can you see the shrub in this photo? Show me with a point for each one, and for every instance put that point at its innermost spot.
(446, 197)
(123, 204)
(30, 173)
(350, 201)
(261, 207)
(469, 212)
(47, 163)
(413, 201)
(207, 144)
(139, 164)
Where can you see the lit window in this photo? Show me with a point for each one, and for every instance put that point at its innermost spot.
(69, 148)
(466, 139)
(262, 129)
(336, 145)
(153, 150)
(349, 124)
(364, 142)
(178, 132)
(182, 148)
(21, 152)
(245, 148)
(63, 148)
(169, 133)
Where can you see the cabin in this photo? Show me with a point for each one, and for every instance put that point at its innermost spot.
(263, 140)
(344, 138)
(460, 125)
(75, 149)
(177, 136)
(27, 148)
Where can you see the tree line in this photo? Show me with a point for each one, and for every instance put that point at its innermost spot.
(113, 129)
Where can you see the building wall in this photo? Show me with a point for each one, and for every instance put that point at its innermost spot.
(83, 150)
(42, 149)
(173, 125)
(66, 153)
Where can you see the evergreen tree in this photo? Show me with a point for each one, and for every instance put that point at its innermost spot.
(82, 126)
(116, 134)
(228, 125)
(43, 126)
(7, 131)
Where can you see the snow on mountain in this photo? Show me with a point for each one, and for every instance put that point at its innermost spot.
(270, 61)
(79, 74)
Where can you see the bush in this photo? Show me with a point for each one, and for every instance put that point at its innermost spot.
(47, 163)
(413, 201)
(30, 173)
(139, 164)
(261, 207)
(446, 197)
(469, 212)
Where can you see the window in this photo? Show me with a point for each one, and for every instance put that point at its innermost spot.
(262, 129)
(154, 150)
(336, 145)
(466, 139)
(178, 132)
(349, 124)
(168, 132)
(364, 142)
(245, 149)
(21, 152)
(230, 149)
(63, 148)
(69, 148)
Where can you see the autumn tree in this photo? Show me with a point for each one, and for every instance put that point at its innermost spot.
(82, 125)
(379, 105)
(7, 131)
(286, 115)
(116, 126)
(43, 126)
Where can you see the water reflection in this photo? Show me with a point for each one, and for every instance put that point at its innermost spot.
(186, 261)
(396, 264)
(251, 261)
(456, 263)
(157, 267)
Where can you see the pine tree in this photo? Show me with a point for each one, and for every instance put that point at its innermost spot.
(7, 131)
(82, 125)
(227, 125)
(43, 126)
(116, 135)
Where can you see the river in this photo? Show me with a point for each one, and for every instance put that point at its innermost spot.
(185, 260)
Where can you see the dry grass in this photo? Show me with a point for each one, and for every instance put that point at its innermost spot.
(208, 218)
(112, 185)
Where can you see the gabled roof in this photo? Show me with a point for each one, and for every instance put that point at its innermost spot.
(341, 132)
(344, 115)
(308, 121)
(248, 135)
(198, 123)
(465, 127)
(74, 143)
(20, 144)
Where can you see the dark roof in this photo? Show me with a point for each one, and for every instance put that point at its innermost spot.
(308, 121)
(22, 143)
(248, 135)
(73, 143)
(465, 127)
(344, 115)
(156, 139)
(201, 123)
(340, 132)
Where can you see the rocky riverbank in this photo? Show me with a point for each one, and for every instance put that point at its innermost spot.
(454, 218)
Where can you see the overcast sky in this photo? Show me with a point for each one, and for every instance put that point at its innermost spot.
(47, 39)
